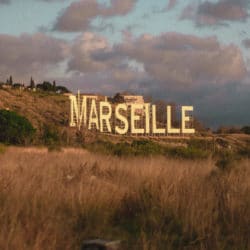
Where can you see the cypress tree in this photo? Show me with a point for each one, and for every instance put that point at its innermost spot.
(32, 83)
(11, 81)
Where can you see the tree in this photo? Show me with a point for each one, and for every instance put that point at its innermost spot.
(32, 83)
(54, 85)
(11, 80)
(62, 89)
(228, 130)
(45, 86)
(199, 126)
(50, 135)
(118, 98)
(246, 130)
(14, 128)
(17, 85)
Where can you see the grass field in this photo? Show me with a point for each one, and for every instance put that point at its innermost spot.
(56, 200)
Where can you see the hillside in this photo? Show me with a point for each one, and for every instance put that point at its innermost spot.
(39, 107)
(43, 108)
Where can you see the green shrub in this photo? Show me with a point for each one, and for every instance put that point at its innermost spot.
(187, 153)
(136, 148)
(15, 129)
(246, 130)
(245, 151)
(196, 149)
(226, 159)
(50, 136)
(2, 148)
(205, 145)
(147, 148)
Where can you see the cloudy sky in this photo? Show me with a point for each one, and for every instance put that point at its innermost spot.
(192, 52)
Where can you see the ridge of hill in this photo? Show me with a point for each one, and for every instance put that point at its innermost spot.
(52, 109)
(38, 107)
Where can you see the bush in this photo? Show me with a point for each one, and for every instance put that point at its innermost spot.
(50, 136)
(187, 153)
(149, 148)
(15, 129)
(45, 86)
(226, 159)
(205, 145)
(136, 148)
(2, 148)
(244, 151)
(62, 89)
(246, 130)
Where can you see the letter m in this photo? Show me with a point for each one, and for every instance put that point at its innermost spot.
(78, 111)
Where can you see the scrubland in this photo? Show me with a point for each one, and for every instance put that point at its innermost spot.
(56, 200)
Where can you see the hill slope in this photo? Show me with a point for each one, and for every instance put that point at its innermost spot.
(39, 107)
(53, 109)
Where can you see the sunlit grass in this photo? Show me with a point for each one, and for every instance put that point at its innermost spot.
(56, 200)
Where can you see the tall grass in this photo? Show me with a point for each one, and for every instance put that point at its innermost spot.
(56, 200)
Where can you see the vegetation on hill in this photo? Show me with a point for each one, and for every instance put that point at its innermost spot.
(148, 148)
(40, 108)
(47, 86)
(48, 113)
(15, 129)
(246, 130)
(173, 193)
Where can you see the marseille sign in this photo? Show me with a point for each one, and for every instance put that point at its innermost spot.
(122, 118)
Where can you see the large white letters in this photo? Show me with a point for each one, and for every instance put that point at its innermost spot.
(143, 118)
(105, 117)
(171, 130)
(185, 119)
(154, 123)
(122, 118)
(135, 117)
(93, 116)
(78, 109)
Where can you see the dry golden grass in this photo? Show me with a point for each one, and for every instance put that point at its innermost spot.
(38, 107)
(56, 200)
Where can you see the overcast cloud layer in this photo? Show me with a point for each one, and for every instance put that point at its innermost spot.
(27, 55)
(196, 65)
